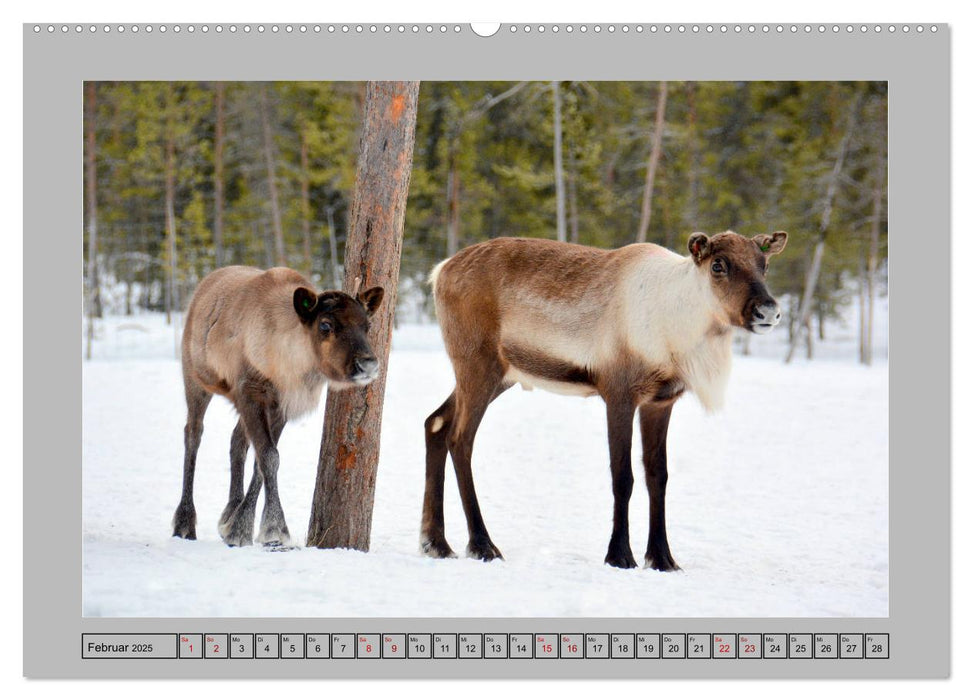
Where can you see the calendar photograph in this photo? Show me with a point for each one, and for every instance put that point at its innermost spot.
(485, 349)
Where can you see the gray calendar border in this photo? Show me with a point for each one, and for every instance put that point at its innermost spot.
(917, 66)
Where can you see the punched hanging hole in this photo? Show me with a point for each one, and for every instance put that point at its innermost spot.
(485, 29)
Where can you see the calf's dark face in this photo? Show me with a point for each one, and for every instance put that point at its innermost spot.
(338, 325)
(736, 269)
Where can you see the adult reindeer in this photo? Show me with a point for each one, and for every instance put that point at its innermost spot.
(638, 326)
(268, 342)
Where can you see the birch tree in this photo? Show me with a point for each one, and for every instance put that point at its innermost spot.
(91, 185)
(218, 182)
(558, 163)
(812, 276)
(662, 99)
(279, 250)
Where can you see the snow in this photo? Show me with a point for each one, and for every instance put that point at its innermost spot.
(777, 505)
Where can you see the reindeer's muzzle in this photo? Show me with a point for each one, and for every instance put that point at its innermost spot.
(765, 316)
(365, 369)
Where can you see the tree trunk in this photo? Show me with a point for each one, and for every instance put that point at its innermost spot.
(558, 164)
(171, 290)
(344, 494)
(335, 263)
(268, 248)
(693, 159)
(452, 201)
(871, 268)
(862, 297)
(662, 100)
(278, 248)
(572, 196)
(217, 231)
(91, 185)
(305, 199)
(812, 278)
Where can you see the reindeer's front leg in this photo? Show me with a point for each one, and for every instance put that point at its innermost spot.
(654, 434)
(620, 428)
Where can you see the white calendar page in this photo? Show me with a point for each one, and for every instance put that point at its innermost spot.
(553, 594)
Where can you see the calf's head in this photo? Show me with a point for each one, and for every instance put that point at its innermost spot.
(736, 267)
(337, 324)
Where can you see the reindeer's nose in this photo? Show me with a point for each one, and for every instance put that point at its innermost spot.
(366, 366)
(765, 316)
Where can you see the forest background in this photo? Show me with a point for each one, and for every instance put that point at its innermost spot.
(185, 177)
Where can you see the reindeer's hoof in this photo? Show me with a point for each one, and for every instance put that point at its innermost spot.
(226, 518)
(436, 548)
(236, 534)
(275, 537)
(621, 557)
(277, 546)
(662, 561)
(238, 540)
(483, 549)
(184, 523)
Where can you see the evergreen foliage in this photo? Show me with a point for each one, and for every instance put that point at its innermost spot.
(754, 157)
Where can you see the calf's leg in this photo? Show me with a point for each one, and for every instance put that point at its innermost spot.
(237, 529)
(654, 433)
(197, 400)
(238, 447)
(273, 525)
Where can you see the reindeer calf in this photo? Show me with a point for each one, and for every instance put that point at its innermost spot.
(638, 326)
(268, 342)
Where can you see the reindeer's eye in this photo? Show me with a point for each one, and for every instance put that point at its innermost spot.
(719, 267)
(325, 327)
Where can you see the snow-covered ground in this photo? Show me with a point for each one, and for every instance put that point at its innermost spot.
(777, 506)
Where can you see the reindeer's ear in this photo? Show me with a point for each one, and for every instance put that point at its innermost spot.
(305, 304)
(699, 246)
(371, 298)
(771, 245)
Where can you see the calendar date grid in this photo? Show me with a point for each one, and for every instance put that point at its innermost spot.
(671, 646)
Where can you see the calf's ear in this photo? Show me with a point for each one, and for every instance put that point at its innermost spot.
(699, 246)
(305, 304)
(771, 245)
(371, 298)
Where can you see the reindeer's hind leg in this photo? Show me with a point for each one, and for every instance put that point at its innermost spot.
(197, 400)
(238, 447)
(472, 397)
(273, 525)
(237, 529)
(436, 450)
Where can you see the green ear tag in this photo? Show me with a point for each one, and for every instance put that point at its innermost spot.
(306, 303)
(764, 248)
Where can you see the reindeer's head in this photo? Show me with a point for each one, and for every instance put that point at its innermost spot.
(337, 324)
(736, 267)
